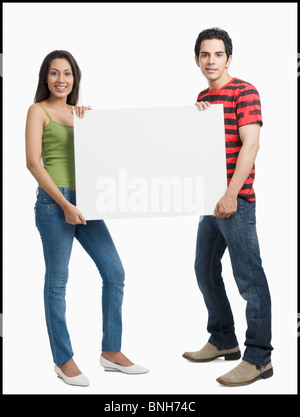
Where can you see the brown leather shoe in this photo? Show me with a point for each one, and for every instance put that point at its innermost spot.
(245, 373)
(210, 352)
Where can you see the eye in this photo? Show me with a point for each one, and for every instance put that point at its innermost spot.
(53, 73)
(68, 74)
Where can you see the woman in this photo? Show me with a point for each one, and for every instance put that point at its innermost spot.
(49, 135)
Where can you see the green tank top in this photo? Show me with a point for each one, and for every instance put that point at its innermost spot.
(58, 152)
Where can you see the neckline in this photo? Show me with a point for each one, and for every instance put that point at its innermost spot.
(225, 85)
(51, 120)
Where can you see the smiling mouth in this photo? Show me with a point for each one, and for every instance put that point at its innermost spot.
(60, 87)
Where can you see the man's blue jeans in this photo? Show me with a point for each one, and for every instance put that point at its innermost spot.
(238, 233)
(57, 237)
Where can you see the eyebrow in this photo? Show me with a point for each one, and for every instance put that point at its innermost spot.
(67, 69)
(218, 52)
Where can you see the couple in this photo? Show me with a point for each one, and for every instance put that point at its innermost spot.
(49, 135)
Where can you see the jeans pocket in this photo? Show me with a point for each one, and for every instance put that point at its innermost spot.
(246, 210)
(51, 206)
(35, 216)
(240, 205)
(47, 202)
(251, 212)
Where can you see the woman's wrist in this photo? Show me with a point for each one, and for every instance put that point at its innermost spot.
(65, 204)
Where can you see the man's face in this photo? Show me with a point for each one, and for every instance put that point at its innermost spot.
(212, 59)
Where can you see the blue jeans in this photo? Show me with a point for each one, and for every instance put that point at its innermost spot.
(238, 233)
(57, 238)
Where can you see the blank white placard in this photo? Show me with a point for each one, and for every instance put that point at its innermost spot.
(147, 162)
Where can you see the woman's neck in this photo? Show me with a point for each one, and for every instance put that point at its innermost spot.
(58, 103)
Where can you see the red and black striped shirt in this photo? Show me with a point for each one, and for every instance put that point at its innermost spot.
(242, 106)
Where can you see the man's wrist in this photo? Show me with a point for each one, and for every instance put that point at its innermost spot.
(231, 193)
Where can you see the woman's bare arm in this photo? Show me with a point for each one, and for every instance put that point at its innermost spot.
(33, 145)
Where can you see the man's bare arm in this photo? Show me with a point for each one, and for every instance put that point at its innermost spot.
(249, 135)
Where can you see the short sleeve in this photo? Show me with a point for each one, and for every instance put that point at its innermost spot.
(248, 107)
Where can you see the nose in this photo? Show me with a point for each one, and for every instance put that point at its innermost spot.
(211, 59)
(61, 77)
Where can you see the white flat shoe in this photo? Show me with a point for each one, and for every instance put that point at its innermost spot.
(111, 366)
(80, 380)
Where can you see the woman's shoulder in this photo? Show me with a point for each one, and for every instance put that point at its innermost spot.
(35, 108)
(37, 113)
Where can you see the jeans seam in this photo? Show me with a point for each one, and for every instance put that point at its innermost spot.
(211, 281)
(48, 272)
(110, 324)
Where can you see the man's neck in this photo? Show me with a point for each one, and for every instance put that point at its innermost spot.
(219, 83)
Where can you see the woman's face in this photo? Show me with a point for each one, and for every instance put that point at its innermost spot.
(60, 78)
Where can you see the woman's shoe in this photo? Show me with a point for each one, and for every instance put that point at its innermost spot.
(80, 380)
(111, 366)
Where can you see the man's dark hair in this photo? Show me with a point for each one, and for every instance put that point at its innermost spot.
(214, 33)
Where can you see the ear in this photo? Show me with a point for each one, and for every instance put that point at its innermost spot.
(228, 62)
(197, 61)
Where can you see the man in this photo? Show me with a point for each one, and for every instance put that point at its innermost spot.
(232, 225)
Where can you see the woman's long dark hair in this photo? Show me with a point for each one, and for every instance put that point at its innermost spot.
(42, 92)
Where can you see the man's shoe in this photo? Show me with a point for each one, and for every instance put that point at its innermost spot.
(210, 352)
(245, 373)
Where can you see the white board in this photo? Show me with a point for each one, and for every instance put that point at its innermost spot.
(147, 162)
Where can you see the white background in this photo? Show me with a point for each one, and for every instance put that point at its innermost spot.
(134, 55)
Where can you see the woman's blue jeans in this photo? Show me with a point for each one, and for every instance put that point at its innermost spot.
(57, 238)
(238, 233)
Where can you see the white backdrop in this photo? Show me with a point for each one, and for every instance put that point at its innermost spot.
(139, 55)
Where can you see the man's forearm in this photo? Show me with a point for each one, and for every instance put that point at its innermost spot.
(249, 135)
(244, 165)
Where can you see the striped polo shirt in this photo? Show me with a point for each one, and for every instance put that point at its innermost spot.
(242, 106)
